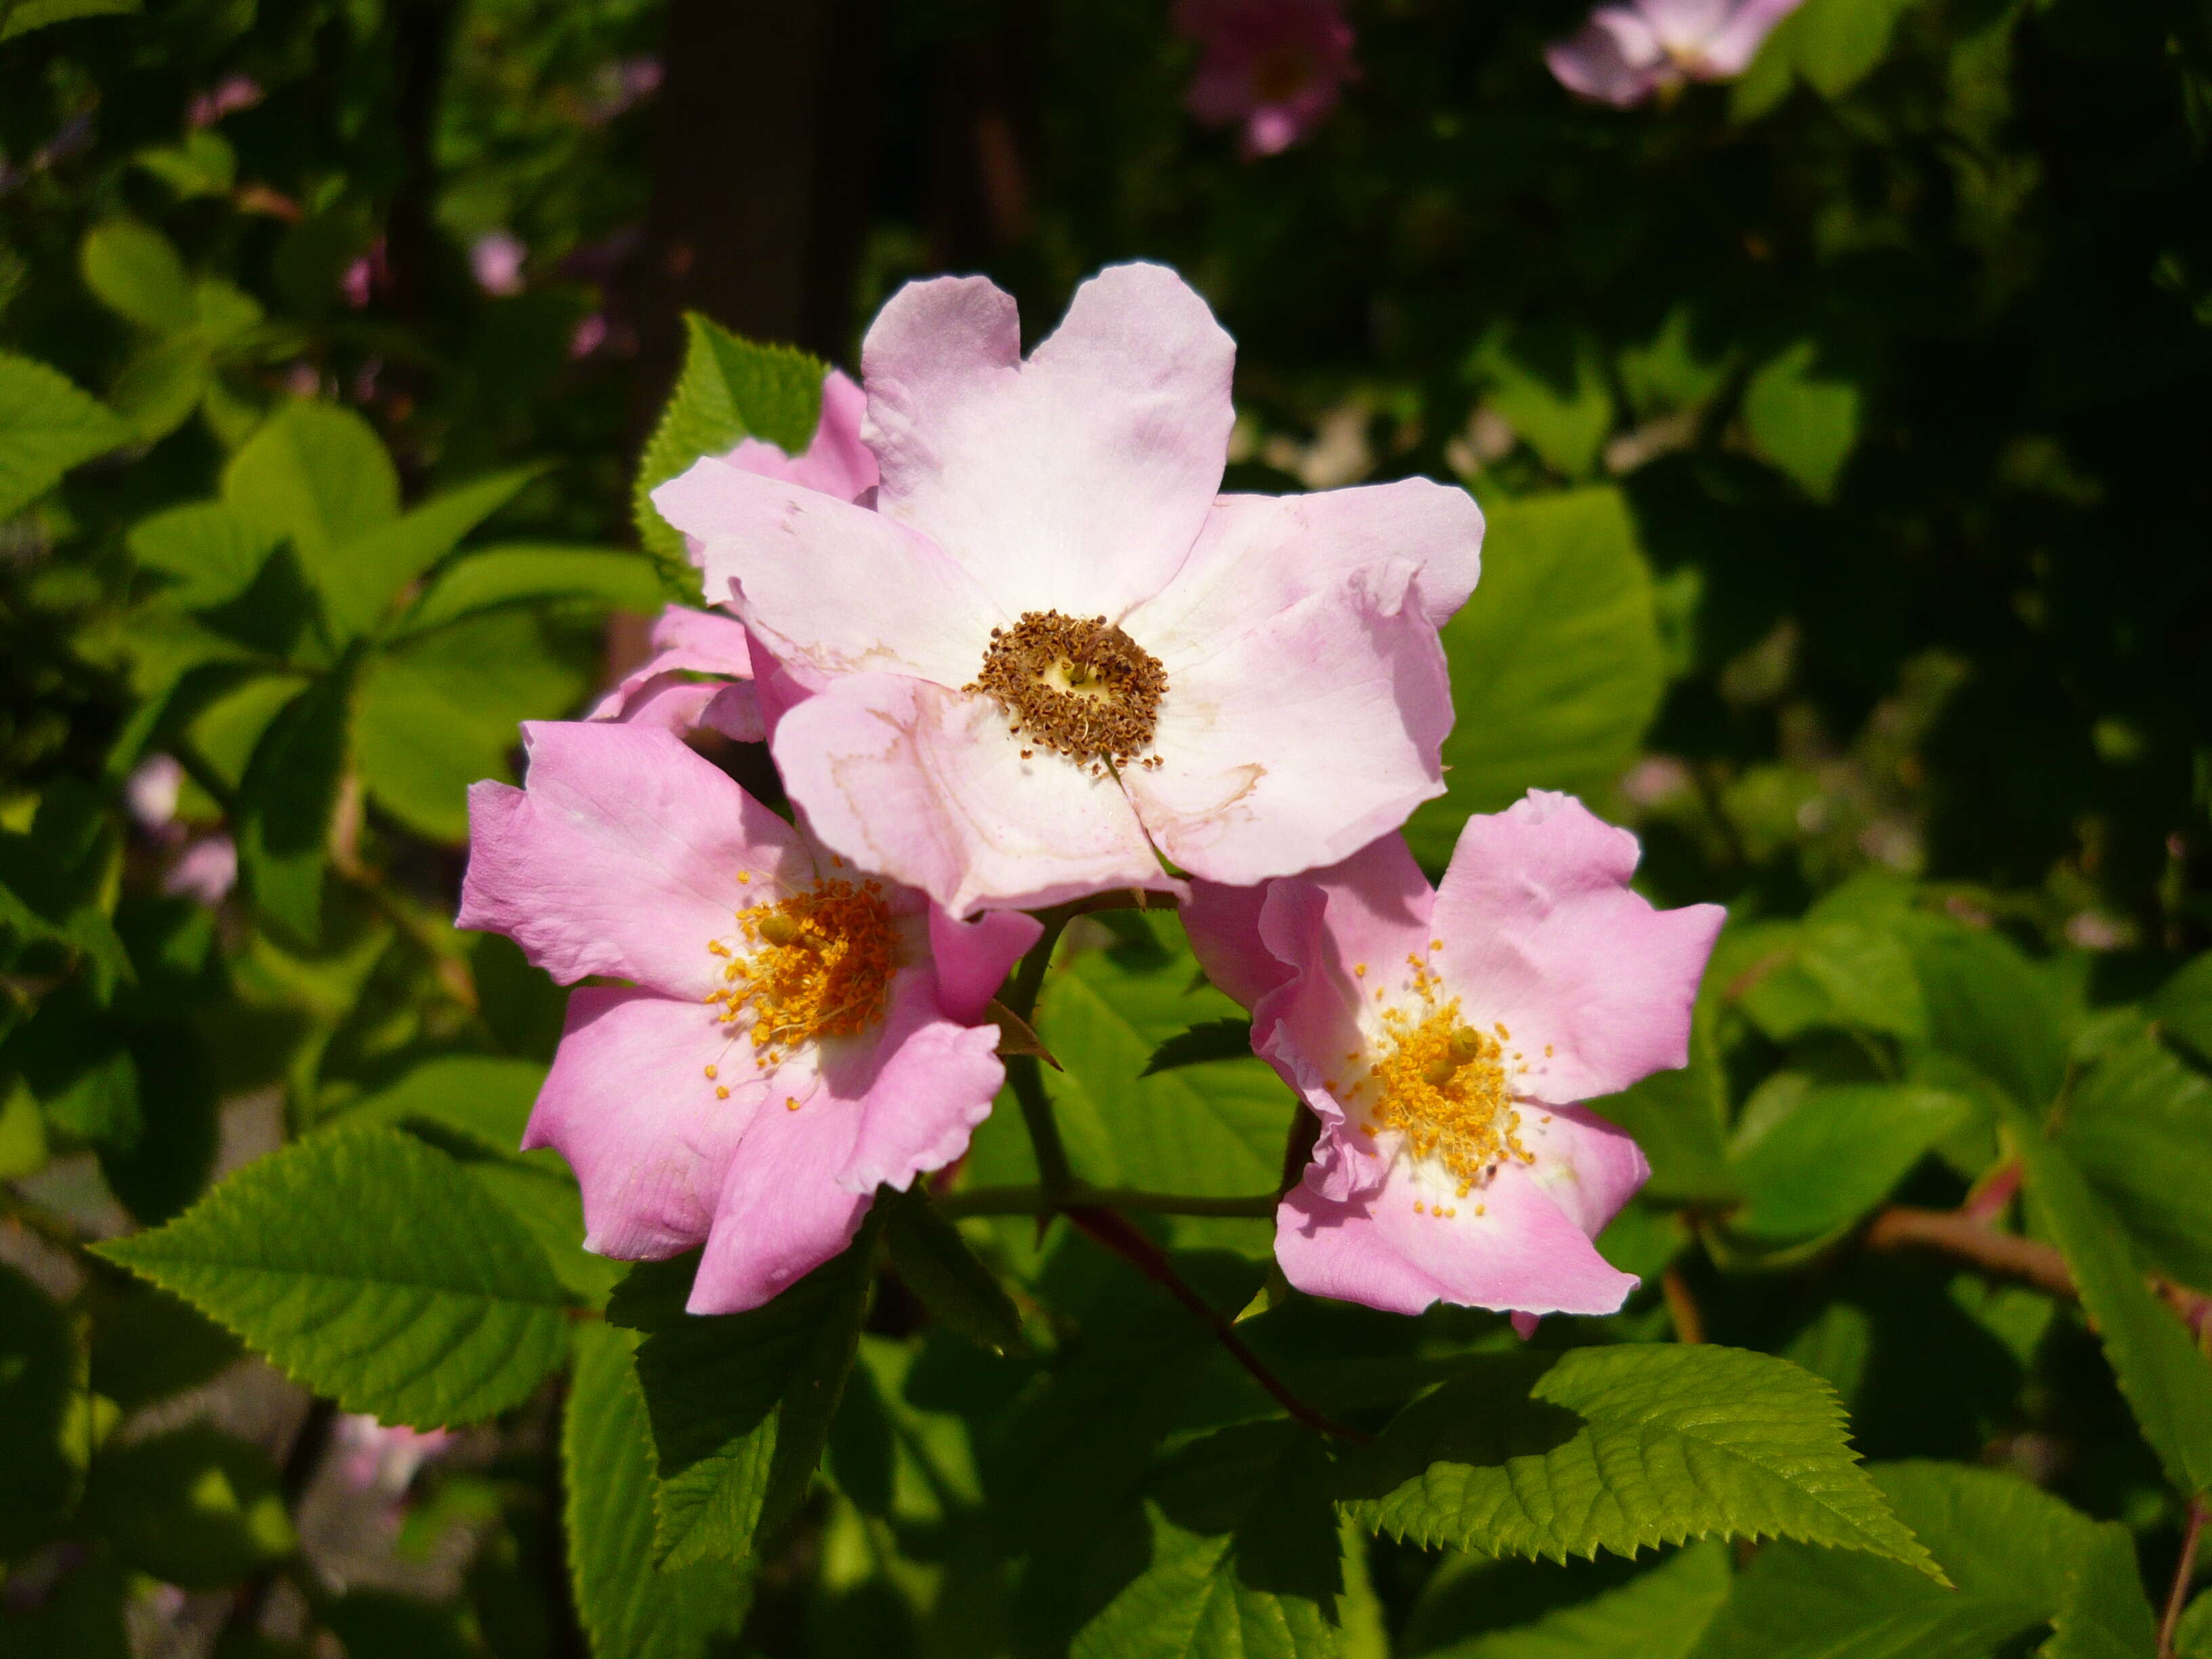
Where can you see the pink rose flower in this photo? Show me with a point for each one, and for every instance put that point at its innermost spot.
(836, 461)
(1053, 648)
(1626, 52)
(793, 1034)
(495, 260)
(663, 692)
(1444, 1038)
(1274, 65)
(374, 1457)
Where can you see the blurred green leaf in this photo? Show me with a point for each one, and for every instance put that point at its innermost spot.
(367, 570)
(741, 1404)
(628, 1610)
(1804, 421)
(1556, 661)
(148, 1345)
(2183, 1005)
(1208, 1040)
(285, 802)
(440, 710)
(411, 1293)
(1550, 385)
(2138, 1124)
(318, 474)
(136, 272)
(203, 164)
(1988, 1006)
(1658, 1614)
(934, 1261)
(38, 1375)
(21, 17)
(1244, 1560)
(730, 389)
(506, 576)
(210, 550)
(1828, 1154)
(2166, 1377)
(81, 1616)
(1621, 1448)
(164, 1166)
(2020, 1558)
(46, 427)
(485, 1097)
(376, 1624)
(2192, 1640)
(195, 1507)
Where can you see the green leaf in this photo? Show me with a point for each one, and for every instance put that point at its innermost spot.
(375, 1623)
(284, 806)
(167, 1163)
(204, 164)
(1216, 1130)
(136, 272)
(741, 1403)
(194, 1507)
(2139, 1125)
(162, 383)
(2192, 1638)
(484, 1098)
(1211, 1039)
(1244, 1560)
(1621, 1448)
(1659, 1615)
(627, 1609)
(366, 571)
(21, 17)
(318, 474)
(1549, 383)
(1556, 661)
(46, 427)
(440, 710)
(147, 1344)
(730, 389)
(506, 575)
(934, 1262)
(2020, 1559)
(372, 1270)
(2183, 1006)
(1834, 45)
(210, 552)
(1804, 421)
(2165, 1376)
(38, 1375)
(1988, 1006)
(1823, 1156)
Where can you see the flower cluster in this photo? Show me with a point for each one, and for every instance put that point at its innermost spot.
(1010, 648)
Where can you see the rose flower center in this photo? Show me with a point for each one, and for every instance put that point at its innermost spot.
(1079, 687)
(818, 964)
(1281, 73)
(1446, 1087)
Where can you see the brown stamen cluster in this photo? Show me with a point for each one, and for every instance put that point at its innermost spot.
(1078, 686)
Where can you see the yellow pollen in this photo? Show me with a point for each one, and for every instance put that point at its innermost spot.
(1360, 970)
(817, 964)
(746, 876)
(790, 1103)
(722, 1091)
(1447, 1088)
(713, 1072)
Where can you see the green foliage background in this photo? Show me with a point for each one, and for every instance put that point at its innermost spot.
(1842, 435)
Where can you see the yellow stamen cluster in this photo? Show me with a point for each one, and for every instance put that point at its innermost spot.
(1446, 1087)
(817, 964)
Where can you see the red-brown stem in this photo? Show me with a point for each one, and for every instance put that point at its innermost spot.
(1113, 1231)
(2177, 1599)
(1681, 1306)
(1998, 1188)
(1955, 1232)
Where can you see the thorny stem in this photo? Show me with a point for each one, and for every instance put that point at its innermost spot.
(1681, 1306)
(2183, 1570)
(1058, 1193)
(1114, 1232)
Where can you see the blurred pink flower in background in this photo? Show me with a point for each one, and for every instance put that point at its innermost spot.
(374, 1458)
(229, 95)
(203, 867)
(1274, 65)
(1624, 53)
(496, 262)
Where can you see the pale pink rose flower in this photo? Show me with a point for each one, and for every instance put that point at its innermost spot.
(205, 870)
(792, 1034)
(495, 260)
(226, 97)
(1445, 1038)
(151, 791)
(1273, 66)
(373, 1457)
(1626, 52)
(1055, 648)
(664, 693)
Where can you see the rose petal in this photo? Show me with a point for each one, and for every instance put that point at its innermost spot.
(973, 956)
(782, 1213)
(927, 787)
(835, 462)
(1543, 934)
(928, 1083)
(1259, 555)
(621, 856)
(1076, 482)
(1303, 740)
(629, 1104)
